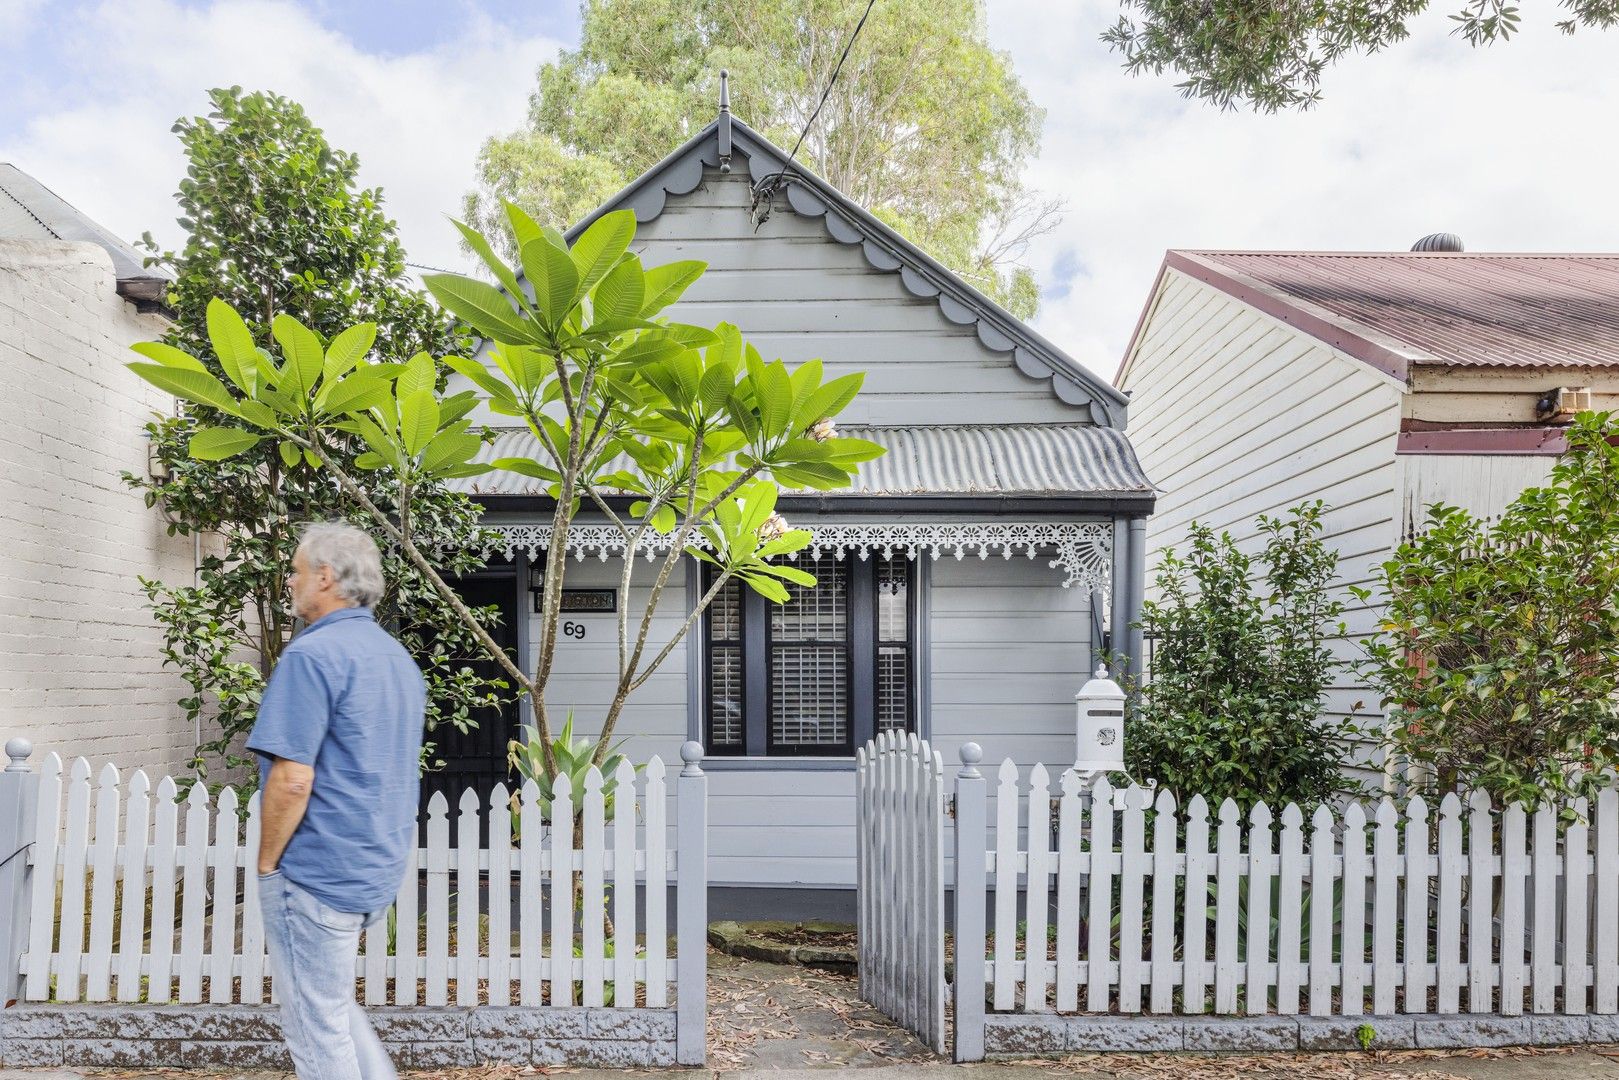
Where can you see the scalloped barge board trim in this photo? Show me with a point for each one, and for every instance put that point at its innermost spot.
(998, 330)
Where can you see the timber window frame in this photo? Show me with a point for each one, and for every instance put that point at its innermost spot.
(846, 658)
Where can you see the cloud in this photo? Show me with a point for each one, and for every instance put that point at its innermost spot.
(120, 74)
(1506, 146)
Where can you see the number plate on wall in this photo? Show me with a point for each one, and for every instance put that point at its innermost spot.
(584, 600)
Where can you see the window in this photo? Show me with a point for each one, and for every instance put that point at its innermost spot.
(818, 675)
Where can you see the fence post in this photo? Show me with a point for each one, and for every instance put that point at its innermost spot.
(19, 794)
(971, 846)
(691, 917)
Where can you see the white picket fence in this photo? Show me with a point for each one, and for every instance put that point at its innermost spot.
(899, 859)
(1375, 911)
(138, 896)
(1095, 900)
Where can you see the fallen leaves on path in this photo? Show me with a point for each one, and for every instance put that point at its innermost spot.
(1312, 1066)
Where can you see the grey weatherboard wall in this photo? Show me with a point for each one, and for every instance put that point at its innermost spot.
(1006, 645)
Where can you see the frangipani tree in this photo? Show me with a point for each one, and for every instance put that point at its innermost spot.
(692, 423)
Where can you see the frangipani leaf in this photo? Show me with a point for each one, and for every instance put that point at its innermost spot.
(169, 356)
(359, 392)
(347, 349)
(621, 293)
(527, 467)
(302, 352)
(198, 387)
(482, 306)
(420, 374)
(524, 228)
(601, 245)
(480, 246)
(217, 444)
(418, 420)
(666, 283)
(552, 274)
(233, 345)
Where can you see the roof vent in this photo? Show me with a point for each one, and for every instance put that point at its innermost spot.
(1439, 241)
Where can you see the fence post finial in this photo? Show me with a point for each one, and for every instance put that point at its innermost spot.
(691, 752)
(971, 755)
(18, 750)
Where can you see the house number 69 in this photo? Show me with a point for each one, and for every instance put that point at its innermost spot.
(573, 630)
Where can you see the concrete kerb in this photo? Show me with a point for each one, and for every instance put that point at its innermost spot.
(249, 1036)
(1034, 1035)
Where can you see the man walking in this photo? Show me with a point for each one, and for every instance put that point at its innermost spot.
(339, 736)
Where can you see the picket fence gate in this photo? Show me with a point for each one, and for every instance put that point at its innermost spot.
(899, 860)
(141, 896)
(1368, 912)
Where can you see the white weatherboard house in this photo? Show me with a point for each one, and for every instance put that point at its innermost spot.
(966, 582)
(1378, 382)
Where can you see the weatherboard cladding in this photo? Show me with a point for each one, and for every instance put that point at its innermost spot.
(1003, 459)
(1445, 309)
(883, 249)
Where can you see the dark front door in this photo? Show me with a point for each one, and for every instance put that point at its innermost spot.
(476, 759)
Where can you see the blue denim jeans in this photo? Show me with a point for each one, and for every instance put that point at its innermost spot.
(312, 952)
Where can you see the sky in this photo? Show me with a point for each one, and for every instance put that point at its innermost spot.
(1511, 147)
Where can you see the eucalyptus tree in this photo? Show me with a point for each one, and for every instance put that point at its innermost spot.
(692, 423)
(928, 125)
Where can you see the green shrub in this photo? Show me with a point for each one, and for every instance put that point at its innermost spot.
(1239, 666)
(1499, 656)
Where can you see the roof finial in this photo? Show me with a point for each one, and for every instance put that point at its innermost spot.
(725, 121)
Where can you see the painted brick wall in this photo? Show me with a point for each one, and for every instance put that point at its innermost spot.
(79, 654)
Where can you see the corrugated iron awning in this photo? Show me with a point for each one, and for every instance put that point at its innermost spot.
(1034, 460)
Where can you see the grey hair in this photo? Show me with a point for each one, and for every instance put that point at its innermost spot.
(352, 555)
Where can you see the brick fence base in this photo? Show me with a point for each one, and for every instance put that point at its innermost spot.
(249, 1036)
(1023, 1035)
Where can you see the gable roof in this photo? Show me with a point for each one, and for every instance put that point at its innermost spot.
(726, 138)
(30, 210)
(1404, 309)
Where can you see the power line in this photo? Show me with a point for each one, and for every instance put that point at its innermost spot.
(435, 269)
(766, 188)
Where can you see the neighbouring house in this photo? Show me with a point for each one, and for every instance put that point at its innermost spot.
(967, 582)
(1379, 382)
(80, 657)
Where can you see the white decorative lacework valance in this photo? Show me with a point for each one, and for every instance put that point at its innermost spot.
(1082, 550)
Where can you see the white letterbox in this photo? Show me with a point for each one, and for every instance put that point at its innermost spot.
(1100, 705)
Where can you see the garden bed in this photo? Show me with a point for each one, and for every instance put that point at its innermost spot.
(825, 945)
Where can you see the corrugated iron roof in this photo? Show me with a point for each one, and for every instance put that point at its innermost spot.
(30, 210)
(999, 459)
(1444, 308)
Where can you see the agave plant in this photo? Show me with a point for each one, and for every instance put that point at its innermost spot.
(573, 760)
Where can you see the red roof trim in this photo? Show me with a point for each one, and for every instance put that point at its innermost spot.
(1519, 441)
(1340, 334)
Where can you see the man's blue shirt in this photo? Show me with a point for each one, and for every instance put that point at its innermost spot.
(347, 700)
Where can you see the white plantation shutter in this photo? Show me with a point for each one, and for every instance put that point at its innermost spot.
(894, 710)
(725, 701)
(809, 660)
